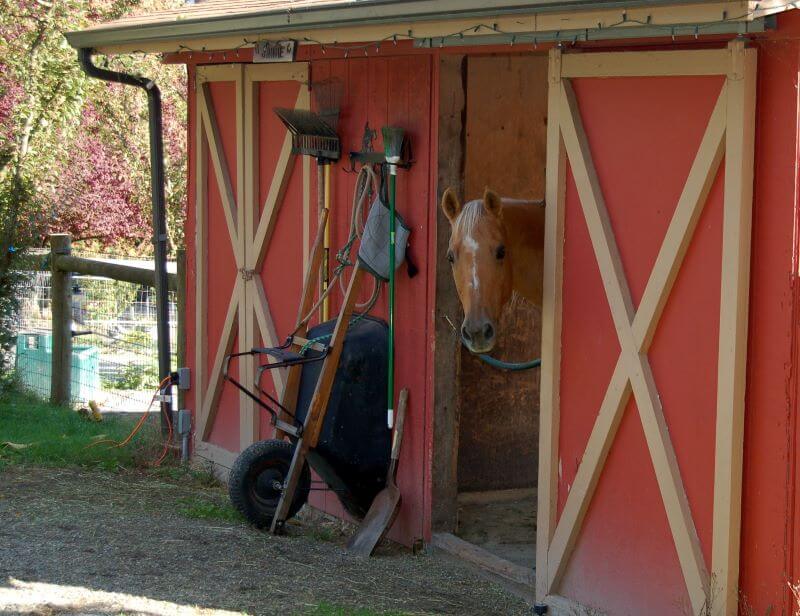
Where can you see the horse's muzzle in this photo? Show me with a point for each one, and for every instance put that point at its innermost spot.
(478, 336)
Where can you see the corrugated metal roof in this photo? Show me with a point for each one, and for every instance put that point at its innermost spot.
(210, 19)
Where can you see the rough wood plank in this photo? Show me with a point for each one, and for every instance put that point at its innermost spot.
(471, 553)
(734, 303)
(549, 409)
(447, 347)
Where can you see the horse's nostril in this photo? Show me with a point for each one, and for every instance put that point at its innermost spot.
(465, 333)
(488, 331)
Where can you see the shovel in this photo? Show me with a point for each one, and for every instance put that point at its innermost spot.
(384, 507)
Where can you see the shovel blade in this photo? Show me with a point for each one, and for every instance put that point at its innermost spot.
(379, 518)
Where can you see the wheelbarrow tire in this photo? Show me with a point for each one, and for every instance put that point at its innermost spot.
(255, 475)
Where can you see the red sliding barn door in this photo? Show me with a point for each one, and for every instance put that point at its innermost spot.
(244, 172)
(649, 190)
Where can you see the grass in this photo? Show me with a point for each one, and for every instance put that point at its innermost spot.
(323, 533)
(35, 432)
(203, 509)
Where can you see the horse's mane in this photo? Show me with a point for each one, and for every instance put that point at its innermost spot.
(473, 211)
(470, 214)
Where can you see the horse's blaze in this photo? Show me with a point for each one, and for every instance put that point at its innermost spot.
(481, 266)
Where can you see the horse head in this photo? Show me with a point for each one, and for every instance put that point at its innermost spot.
(481, 266)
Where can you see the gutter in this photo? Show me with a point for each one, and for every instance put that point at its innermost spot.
(185, 25)
(159, 210)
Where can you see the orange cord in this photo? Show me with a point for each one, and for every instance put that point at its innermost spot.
(139, 425)
(166, 442)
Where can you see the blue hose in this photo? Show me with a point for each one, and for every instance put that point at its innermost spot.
(511, 367)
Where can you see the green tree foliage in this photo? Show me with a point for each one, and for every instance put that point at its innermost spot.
(74, 150)
(74, 154)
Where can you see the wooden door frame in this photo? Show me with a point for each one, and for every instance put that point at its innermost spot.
(450, 146)
(248, 311)
(730, 133)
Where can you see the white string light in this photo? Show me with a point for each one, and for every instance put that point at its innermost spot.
(514, 38)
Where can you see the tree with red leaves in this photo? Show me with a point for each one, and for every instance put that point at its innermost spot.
(73, 150)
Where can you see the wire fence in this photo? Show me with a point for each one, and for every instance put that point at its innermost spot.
(115, 352)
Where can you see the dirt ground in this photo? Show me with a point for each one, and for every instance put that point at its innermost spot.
(90, 542)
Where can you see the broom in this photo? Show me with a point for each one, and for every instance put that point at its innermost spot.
(392, 149)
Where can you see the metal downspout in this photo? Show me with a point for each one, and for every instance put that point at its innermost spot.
(159, 208)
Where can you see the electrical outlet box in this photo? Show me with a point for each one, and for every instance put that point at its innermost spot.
(184, 378)
(184, 423)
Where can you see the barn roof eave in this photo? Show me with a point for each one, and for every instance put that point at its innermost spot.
(218, 21)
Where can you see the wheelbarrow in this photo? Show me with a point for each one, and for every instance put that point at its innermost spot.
(351, 453)
(333, 412)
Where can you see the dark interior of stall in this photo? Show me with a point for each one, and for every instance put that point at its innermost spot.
(503, 147)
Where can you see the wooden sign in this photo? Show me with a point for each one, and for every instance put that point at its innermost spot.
(274, 51)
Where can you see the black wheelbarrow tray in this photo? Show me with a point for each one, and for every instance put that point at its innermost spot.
(351, 453)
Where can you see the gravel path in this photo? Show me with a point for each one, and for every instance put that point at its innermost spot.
(86, 542)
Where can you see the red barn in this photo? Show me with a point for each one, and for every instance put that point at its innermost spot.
(657, 448)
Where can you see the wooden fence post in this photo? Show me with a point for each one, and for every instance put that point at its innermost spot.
(61, 308)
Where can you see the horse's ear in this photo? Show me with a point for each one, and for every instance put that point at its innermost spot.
(450, 205)
(492, 203)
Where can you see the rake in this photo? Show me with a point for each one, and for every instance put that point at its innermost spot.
(314, 134)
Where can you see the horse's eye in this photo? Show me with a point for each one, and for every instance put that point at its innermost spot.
(450, 256)
(500, 253)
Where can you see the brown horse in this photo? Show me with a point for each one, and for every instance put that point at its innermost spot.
(496, 249)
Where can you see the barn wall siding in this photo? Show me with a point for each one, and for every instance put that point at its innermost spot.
(396, 91)
(378, 91)
(399, 89)
(768, 509)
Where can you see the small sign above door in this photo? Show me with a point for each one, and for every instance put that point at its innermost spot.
(274, 51)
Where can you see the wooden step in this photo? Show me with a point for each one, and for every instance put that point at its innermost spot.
(471, 553)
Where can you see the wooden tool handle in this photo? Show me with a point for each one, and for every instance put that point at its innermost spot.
(398, 426)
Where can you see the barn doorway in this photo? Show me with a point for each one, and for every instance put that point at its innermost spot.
(493, 132)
